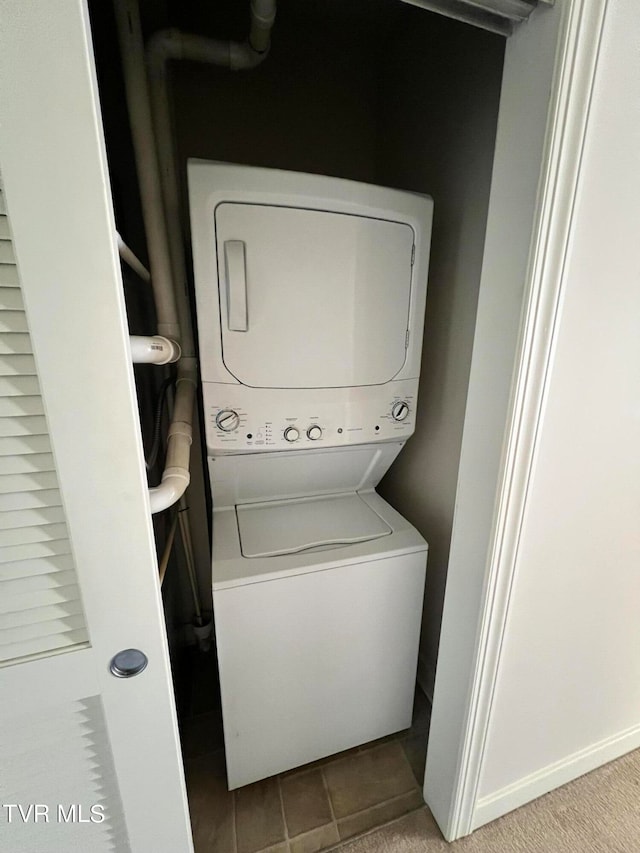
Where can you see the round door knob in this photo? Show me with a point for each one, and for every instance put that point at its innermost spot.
(227, 420)
(291, 434)
(314, 432)
(127, 663)
(399, 410)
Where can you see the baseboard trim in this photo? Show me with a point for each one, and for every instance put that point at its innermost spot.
(554, 775)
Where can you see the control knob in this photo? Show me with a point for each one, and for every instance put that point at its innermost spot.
(227, 420)
(400, 410)
(291, 434)
(314, 432)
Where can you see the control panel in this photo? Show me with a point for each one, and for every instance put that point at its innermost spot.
(250, 420)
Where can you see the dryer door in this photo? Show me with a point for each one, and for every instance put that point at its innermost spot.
(312, 299)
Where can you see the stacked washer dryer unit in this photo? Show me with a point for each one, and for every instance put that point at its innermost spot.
(310, 298)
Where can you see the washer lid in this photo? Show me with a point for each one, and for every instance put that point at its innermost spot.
(286, 527)
(311, 298)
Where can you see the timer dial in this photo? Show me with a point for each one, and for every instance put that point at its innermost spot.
(400, 410)
(314, 432)
(227, 420)
(291, 434)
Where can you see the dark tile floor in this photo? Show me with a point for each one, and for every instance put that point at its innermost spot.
(307, 809)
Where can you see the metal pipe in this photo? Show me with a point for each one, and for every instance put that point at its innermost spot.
(168, 547)
(185, 533)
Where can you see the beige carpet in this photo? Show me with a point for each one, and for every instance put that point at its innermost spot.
(598, 813)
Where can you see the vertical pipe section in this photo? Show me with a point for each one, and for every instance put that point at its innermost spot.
(187, 544)
(161, 46)
(263, 14)
(172, 324)
(175, 477)
(168, 547)
(132, 50)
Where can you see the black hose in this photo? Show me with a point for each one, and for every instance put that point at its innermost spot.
(152, 457)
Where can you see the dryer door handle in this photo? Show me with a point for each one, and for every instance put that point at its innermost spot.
(235, 269)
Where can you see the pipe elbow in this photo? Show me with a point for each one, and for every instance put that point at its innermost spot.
(243, 57)
(171, 44)
(172, 487)
(162, 46)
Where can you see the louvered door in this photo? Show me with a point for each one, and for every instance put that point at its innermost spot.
(88, 761)
(40, 606)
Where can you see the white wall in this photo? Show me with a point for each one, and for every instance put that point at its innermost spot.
(438, 113)
(568, 691)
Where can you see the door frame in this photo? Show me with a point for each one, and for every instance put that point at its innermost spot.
(580, 29)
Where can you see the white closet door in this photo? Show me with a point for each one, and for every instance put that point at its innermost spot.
(89, 761)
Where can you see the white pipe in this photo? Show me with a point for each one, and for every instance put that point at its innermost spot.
(175, 478)
(160, 198)
(174, 44)
(161, 46)
(153, 349)
(165, 46)
(132, 56)
(263, 14)
(132, 260)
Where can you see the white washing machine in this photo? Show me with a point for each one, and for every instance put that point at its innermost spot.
(310, 298)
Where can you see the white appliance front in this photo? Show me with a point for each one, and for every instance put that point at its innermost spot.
(310, 294)
(317, 649)
(252, 478)
(241, 419)
(310, 297)
(325, 296)
(275, 528)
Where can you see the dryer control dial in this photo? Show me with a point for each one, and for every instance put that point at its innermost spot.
(227, 420)
(400, 410)
(291, 434)
(314, 432)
